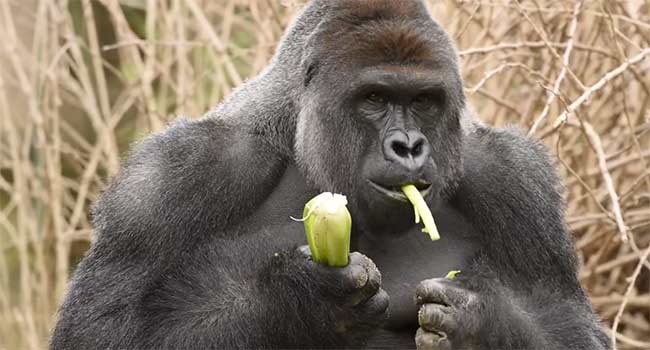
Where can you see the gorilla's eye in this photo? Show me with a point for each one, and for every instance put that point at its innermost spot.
(422, 99)
(428, 100)
(376, 97)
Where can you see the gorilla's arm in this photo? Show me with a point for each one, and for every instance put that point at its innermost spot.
(526, 267)
(176, 263)
(175, 189)
(239, 294)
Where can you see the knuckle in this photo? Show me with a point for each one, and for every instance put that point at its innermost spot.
(375, 309)
(427, 289)
(431, 341)
(357, 276)
(431, 316)
(368, 261)
(367, 295)
(380, 301)
(361, 259)
(422, 288)
(356, 257)
(421, 340)
(304, 249)
(374, 281)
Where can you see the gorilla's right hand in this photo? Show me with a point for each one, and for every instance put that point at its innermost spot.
(353, 292)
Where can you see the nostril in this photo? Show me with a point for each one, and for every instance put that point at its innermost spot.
(417, 148)
(400, 148)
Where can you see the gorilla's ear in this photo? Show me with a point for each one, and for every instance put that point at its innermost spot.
(310, 71)
(310, 61)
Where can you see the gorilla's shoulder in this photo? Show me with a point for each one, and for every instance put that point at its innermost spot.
(510, 144)
(183, 139)
(507, 155)
(506, 138)
(207, 142)
(179, 172)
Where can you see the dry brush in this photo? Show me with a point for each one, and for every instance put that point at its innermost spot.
(82, 79)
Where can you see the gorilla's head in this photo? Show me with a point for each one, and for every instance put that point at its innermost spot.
(380, 107)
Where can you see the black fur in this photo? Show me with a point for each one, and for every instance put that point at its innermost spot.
(195, 248)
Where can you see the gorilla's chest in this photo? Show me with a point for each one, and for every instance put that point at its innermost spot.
(403, 261)
(413, 257)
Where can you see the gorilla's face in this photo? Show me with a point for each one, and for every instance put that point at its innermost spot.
(381, 109)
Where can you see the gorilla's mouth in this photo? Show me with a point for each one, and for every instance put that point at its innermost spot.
(395, 192)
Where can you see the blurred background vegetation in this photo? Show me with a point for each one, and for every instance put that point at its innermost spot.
(80, 80)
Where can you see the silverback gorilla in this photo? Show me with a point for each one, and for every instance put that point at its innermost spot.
(195, 248)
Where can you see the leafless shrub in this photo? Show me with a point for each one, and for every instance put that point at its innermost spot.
(81, 79)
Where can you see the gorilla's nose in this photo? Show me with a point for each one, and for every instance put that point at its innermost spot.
(409, 149)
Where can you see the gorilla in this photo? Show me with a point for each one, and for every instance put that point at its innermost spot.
(195, 248)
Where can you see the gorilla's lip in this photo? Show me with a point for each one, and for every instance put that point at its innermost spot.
(395, 192)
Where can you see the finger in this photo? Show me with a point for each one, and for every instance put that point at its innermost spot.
(360, 279)
(374, 276)
(431, 291)
(441, 291)
(431, 341)
(377, 306)
(437, 318)
(355, 277)
(347, 280)
(341, 282)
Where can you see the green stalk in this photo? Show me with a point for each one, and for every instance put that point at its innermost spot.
(421, 211)
(328, 226)
(452, 274)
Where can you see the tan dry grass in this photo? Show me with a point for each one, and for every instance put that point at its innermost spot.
(81, 79)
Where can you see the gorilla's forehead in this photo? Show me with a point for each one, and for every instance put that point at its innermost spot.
(371, 32)
(381, 41)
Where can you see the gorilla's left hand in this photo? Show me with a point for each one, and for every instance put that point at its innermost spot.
(448, 315)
